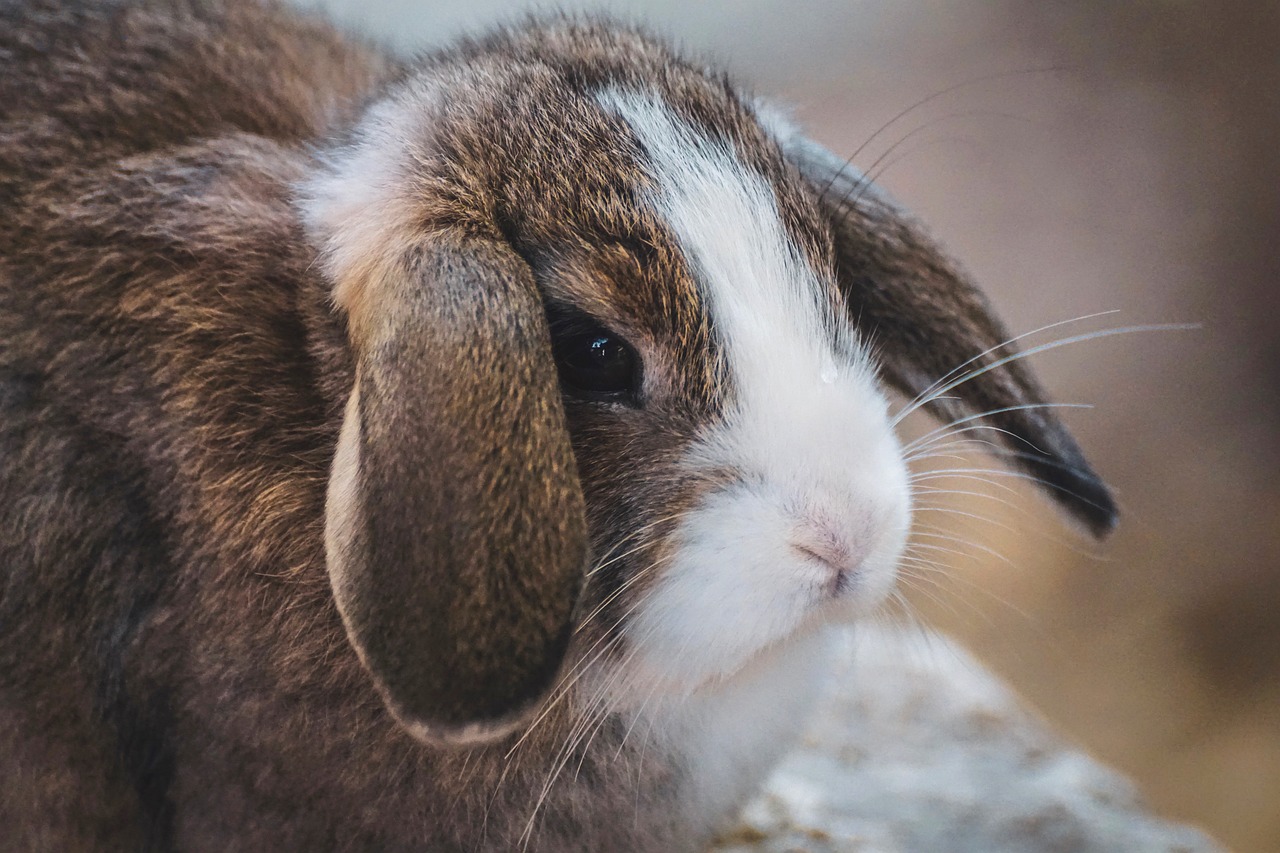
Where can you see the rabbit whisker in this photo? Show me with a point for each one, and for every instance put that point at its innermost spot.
(946, 429)
(586, 658)
(1061, 342)
(963, 84)
(915, 402)
(595, 714)
(946, 537)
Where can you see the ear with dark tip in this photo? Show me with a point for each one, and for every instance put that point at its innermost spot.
(455, 528)
(926, 320)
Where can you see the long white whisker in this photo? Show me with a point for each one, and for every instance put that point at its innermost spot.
(914, 403)
(929, 99)
(978, 416)
(1061, 342)
(587, 659)
(862, 186)
(608, 560)
(934, 534)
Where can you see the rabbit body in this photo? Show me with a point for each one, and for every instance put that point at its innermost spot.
(187, 660)
(172, 670)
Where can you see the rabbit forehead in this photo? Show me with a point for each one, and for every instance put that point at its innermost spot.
(771, 298)
(664, 209)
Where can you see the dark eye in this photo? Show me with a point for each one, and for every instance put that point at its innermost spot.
(594, 363)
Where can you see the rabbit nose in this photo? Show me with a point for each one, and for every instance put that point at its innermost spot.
(823, 544)
(832, 554)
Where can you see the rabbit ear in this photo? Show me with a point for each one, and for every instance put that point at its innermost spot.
(455, 528)
(931, 328)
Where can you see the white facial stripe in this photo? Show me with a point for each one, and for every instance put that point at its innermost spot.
(807, 397)
(764, 298)
(808, 432)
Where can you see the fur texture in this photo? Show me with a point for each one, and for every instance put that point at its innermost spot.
(303, 547)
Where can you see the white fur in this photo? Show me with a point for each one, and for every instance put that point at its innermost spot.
(343, 517)
(364, 209)
(730, 738)
(819, 467)
(776, 121)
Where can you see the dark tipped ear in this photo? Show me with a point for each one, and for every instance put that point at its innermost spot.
(455, 527)
(925, 321)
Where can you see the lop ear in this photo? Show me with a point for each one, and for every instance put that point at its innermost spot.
(928, 323)
(455, 529)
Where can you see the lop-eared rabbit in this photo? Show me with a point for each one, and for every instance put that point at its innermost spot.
(464, 454)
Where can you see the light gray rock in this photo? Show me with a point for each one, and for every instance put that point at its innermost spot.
(918, 749)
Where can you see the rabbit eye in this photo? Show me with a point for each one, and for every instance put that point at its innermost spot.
(594, 363)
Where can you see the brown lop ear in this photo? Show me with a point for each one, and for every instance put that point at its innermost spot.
(455, 528)
(931, 328)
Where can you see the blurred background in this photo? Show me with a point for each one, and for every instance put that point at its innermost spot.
(1076, 158)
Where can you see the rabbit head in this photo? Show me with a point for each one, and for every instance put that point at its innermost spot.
(615, 385)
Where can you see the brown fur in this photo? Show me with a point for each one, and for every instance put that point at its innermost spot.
(173, 670)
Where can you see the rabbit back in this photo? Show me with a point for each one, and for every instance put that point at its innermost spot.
(149, 265)
(88, 81)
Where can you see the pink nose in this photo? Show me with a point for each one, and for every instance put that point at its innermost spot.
(820, 543)
(833, 555)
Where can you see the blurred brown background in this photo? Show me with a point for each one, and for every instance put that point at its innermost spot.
(1141, 173)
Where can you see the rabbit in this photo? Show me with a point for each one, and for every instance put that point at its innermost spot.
(465, 453)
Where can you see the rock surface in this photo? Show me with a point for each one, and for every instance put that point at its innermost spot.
(918, 749)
